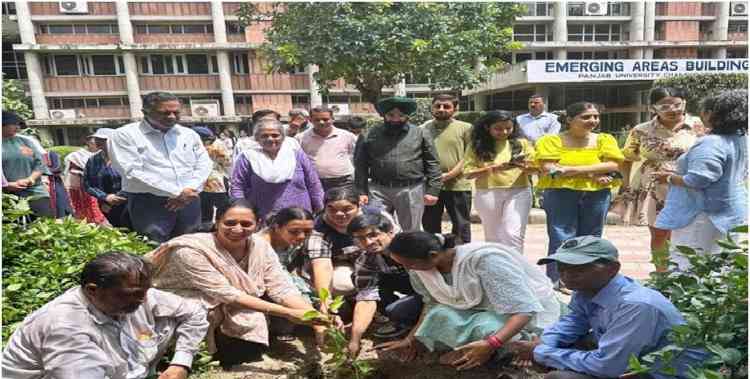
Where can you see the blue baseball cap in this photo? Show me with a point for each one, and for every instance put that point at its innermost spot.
(582, 250)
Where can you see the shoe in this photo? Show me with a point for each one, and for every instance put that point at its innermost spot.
(380, 319)
(389, 331)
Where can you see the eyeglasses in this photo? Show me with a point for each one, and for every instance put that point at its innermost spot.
(669, 107)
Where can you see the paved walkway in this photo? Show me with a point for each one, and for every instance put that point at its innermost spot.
(631, 241)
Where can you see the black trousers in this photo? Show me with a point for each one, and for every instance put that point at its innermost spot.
(231, 351)
(118, 216)
(458, 206)
(339, 182)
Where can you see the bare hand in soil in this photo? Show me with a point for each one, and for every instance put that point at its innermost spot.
(174, 372)
(472, 355)
(354, 347)
(524, 350)
(406, 349)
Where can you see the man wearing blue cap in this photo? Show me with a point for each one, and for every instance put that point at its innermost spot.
(616, 314)
(395, 164)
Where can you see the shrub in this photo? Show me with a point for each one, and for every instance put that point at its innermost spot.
(470, 116)
(43, 259)
(63, 151)
(712, 297)
(699, 86)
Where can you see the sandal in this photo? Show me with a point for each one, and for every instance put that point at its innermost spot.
(285, 338)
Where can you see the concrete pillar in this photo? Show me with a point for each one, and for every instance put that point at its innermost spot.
(560, 28)
(649, 27)
(315, 98)
(33, 66)
(123, 22)
(134, 89)
(225, 82)
(36, 87)
(543, 90)
(222, 59)
(25, 26)
(480, 102)
(721, 28)
(128, 58)
(637, 30)
(220, 28)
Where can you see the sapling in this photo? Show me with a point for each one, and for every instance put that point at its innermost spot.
(342, 364)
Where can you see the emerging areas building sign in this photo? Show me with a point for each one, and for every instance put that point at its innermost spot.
(543, 71)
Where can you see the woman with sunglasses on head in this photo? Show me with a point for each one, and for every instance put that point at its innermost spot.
(580, 168)
(499, 159)
(237, 276)
(657, 144)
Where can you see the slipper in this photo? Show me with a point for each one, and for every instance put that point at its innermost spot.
(285, 338)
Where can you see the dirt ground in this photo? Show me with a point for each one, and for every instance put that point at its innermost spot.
(284, 360)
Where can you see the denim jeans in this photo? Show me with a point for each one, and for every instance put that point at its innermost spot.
(570, 214)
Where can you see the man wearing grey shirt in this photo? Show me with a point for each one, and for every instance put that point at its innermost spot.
(111, 326)
(537, 122)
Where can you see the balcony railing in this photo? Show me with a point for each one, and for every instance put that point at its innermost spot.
(179, 82)
(104, 112)
(158, 8)
(270, 82)
(173, 38)
(52, 8)
(99, 84)
(93, 39)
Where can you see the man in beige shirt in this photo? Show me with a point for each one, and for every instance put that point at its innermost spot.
(331, 149)
(111, 326)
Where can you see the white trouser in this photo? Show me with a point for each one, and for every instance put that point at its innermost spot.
(699, 234)
(504, 213)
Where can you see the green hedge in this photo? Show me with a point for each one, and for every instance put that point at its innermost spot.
(699, 86)
(63, 150)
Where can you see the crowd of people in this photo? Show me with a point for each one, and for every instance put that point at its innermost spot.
(250, 230)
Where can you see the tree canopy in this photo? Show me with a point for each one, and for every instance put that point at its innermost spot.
(14, 98)
(374, 44)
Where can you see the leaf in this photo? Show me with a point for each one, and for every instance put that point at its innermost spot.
(13, 287)
(311, 315)
(336, 304)
(323, 295)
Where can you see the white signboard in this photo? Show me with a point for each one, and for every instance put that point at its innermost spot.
(552, 71)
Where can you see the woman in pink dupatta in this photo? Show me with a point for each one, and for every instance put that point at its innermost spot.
(84, 205)
(237, 276)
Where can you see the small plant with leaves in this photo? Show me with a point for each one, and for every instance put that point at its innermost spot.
(713, 298)
(341, 364)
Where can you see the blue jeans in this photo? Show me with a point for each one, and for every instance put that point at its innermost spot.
(149, 217)
(570, 214)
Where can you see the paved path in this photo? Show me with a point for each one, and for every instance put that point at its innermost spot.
(631, 241)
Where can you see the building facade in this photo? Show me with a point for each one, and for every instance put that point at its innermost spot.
(601, 30)
(87, 64)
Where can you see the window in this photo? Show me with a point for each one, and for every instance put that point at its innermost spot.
(298, 70)
(465, 104)
(60, 29)
(9, 8)
(65, 65)
(532, 32)
(167, 64)
(301, 101)
(105, 65)
(234, 27)
(510, 101)
(241, 63)
(601, 54)
(737, 27)
(197, 64)
(594, 32)
(575, 9)
(174, 28)
(14, 65)
(523, 57)
(243, 100)
(542, 55)
(333, 99)
(78, 29)
(110, 102)
(538, 9)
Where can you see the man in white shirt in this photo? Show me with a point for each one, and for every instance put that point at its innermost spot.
(331, 149)
(163, 167)
(537, 123)
(111, 326)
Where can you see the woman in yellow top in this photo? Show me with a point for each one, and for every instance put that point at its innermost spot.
(579, 170)
(499, 160)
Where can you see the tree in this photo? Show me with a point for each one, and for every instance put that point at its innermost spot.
(14, 98)
(375, 44)
(700, 86)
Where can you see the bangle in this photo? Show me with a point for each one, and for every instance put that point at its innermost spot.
(669, 179)
(495, 342)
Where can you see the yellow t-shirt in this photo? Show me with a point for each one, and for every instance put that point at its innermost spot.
(512, 178)
(550, 148)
